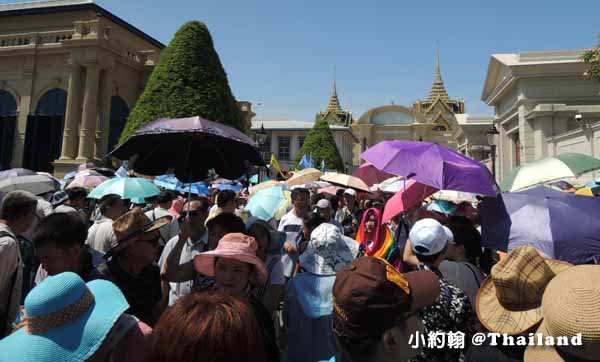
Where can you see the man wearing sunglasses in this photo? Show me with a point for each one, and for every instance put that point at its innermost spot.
(131, 266)
(194, 214)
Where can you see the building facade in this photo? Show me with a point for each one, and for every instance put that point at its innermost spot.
(285, 137)
(438, 118)
(70, 71)
(543, 106)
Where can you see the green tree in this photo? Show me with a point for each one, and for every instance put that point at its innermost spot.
(592, 60)
(188, 80)
(320, 144)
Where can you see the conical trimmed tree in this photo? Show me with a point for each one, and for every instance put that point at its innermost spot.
(320, 144)
(189, 80)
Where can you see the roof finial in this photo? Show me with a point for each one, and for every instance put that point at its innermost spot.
(437, 89)
(438, 73)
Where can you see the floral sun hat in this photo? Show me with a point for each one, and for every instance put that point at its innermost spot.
(328, 251)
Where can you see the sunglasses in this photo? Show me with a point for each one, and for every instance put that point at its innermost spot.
(190, 214)
(153, 241)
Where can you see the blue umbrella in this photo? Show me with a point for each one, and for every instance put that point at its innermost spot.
(265, 204)
(126, 187)
(232, 187)
(198, 188)
(561, 225)
(167, 181)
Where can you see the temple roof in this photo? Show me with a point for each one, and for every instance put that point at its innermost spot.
(438, 90)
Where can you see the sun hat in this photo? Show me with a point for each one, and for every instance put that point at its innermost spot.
(350, 192)
(371, 296)
(131, 224)
(323, 204)
(509, 299)
(65, 320)
(276, 238)
(328, 251)
(570, 305)
(236, 246)
(429, 237)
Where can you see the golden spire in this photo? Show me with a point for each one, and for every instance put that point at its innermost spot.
(438, 89)
(334, 102)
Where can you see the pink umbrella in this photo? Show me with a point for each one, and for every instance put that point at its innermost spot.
(413, 193)
(87, 181)
(371, 175)
(330, 190)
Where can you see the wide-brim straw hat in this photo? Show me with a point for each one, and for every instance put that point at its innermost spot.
(132, 224)
(571, 305)
(509, 300)
(236, 246)
(66, 320)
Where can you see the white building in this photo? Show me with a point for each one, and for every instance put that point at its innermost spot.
(285, 137)
(536, 97)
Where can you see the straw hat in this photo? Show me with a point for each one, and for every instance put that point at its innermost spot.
(132, 224)
(236, 246)
(65, 320)
(571, 305)
(509, 299)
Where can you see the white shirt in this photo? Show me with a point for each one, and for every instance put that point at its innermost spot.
(464, 275)
(101, 235)
(290, 222)
(168, 231)
(189, 251)
(65, 208)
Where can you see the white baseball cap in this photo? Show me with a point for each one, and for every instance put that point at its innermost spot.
(350, 192)
(323, 204)
(429, 237)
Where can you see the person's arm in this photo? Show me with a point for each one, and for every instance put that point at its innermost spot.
(409, 257)
(163, 302)
(172, 270)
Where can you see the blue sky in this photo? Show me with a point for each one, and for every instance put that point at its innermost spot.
(282, 53)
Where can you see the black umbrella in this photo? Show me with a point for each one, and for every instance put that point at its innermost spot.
(189, 147)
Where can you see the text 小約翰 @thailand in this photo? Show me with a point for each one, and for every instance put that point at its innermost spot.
(456, 340)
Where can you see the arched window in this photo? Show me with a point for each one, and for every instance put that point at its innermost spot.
(8, 120)
(43, 138)
(118, 116)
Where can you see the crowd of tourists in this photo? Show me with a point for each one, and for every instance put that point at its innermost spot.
(198, 278)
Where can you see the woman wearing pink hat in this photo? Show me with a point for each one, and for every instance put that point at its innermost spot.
(237, 269)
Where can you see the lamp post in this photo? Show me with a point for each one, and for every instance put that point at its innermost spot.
(492, 136)
(261, 138)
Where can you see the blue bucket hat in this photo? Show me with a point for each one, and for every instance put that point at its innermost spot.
(66, 320)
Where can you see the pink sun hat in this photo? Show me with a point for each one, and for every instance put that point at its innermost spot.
(236, 246)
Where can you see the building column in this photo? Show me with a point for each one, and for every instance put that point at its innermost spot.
(20, 131)
(70, 140)
(103, 123)
(90, 113)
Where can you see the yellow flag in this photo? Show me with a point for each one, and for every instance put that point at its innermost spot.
(275, 164)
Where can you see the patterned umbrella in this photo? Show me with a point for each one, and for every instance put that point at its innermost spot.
(87, 181)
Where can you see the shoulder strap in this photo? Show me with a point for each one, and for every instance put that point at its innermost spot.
(4, 316)
(474, 274)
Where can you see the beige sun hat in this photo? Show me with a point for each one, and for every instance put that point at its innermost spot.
(132, 224)
(571, 305)
(509, 299)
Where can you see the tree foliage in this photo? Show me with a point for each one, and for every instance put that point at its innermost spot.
(320, 144)
(592, 60)
(188, 81)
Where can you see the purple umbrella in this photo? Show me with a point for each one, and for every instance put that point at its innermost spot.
(14, 172)
(433, 165)
(561, 225)
(189, 147)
